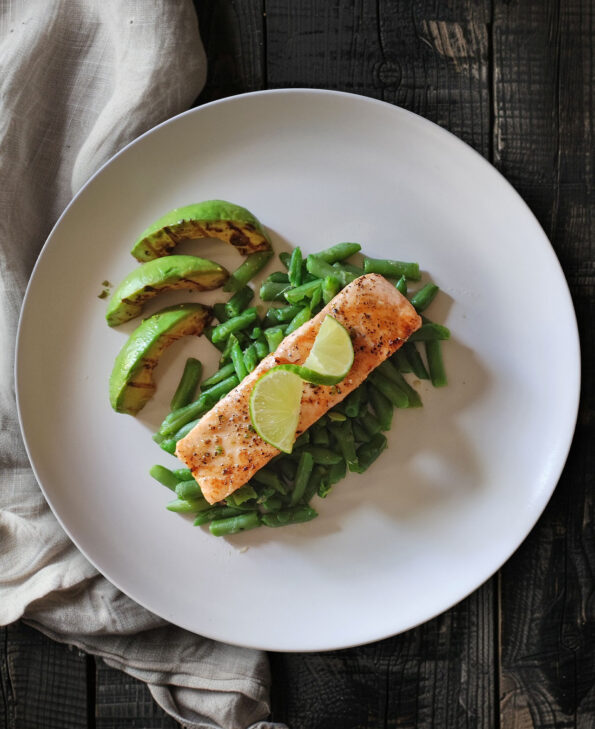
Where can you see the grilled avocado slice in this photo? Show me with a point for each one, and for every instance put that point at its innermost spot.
(162, 274)
(131, 383)
(209, 219)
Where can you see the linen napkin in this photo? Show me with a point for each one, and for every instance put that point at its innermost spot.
(79, 79)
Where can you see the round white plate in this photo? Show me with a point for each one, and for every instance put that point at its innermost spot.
(464, 478)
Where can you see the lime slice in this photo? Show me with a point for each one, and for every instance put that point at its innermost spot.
(275, 407)
(332, 351)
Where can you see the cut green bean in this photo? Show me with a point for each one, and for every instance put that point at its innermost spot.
(270, 291)
(388, 370)
(321, 269)
(187, 506)
(300, 318)
(389, 389)
(220, 312)
(344, 436)
(164, 476)
(278, 277)
(243, 494)
(401, 361)
(335, 416)
(370, 423)
(242, 321)
(250, 358)
(216, 512)
(423, 298)
(296, 515)
(282, 314)
(183, 474)
(168, 445)
(221, 374)
(255, 333)
(316, 299)
(324, 456)
(188, 490)
(293, 296)
(417, 364)
(237, 359)
(239, 301)
(305, 466)
(285, 258)
(208, 332)
(339, 252)
(185, 429)
(436, 363)
(336, 473)
(186, 389)
(274, 337)
(353, 402)
(302, 440)
(235, 524)
(394, 269)
(369, 452)
(216, 392)
(330, 288)
(401, 285)
(319, 435)
(429, 331)
(357, 271)
(360, 434)
(262, 348)
(382, 406)
(247, 270)
(267, 478)
(295, 267)
(315, 483)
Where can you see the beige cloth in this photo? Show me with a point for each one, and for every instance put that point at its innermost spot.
(78, 80)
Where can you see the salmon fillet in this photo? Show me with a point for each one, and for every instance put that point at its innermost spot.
(223, 451)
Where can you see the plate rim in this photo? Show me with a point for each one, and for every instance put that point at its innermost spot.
(565, 440)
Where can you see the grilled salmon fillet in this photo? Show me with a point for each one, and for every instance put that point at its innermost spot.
(223, 451)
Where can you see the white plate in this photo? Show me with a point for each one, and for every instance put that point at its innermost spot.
(465, 477)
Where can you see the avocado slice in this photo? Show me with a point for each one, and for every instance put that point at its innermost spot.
(209, 219)
(131, 383)
(162, 274)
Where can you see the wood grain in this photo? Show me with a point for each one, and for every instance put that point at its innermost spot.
(543, 143)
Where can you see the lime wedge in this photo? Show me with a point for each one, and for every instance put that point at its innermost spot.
(332, 351)
(275, 407)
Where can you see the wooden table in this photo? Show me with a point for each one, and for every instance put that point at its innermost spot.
(515, 80)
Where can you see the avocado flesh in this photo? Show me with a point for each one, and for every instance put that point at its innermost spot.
(209, 219)
(131, 383)
(162, 274)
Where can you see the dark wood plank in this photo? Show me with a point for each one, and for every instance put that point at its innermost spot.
(122, 702)
(431, 58)
(545, 111)
(233, 37)
(43, 684)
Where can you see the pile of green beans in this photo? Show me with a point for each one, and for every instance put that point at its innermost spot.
(349, 437)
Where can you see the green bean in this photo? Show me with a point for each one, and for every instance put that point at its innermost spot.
(360, 434)
(335, 416)
(250, 359)
(423, 298)
(414, 358)
(216, 512)
(370, 423)
(270, 291)
(239, 301)
(302, 440)
(305, 466)
(436, 363)
(289, 516)
(390, 389)
(208, 332)
(314, 483)
(382, 406)
(238, 359)
(401, 361)
(339, 252)
(255, 333)
(319, 435)
(277, 277)
(220, 312)
(248, 269)
(183, 474)
(187, 506)
(188, 490)
(262, 348)
(185, 429)
(336, 473)
(295, 267)
(216, 392)
(357, 271)
(285, 258)
(243, 494)
(302, 292)
(273, 503)
(267, 478)
(316, 298)
(221, 374)
(394, 269)
(369, 452)
(274, 337)
(344, 435)
(300, 318)
(235, 524)
(282, 314)
(243, 320)
(324, 456)
(188, 383)
(164, 476)
(226, 354)
(401, 285)
(388, 370)
(321, 269)
(168, 445)
(330, 288)
(288, 468)
(353, 402)
(429, 331)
